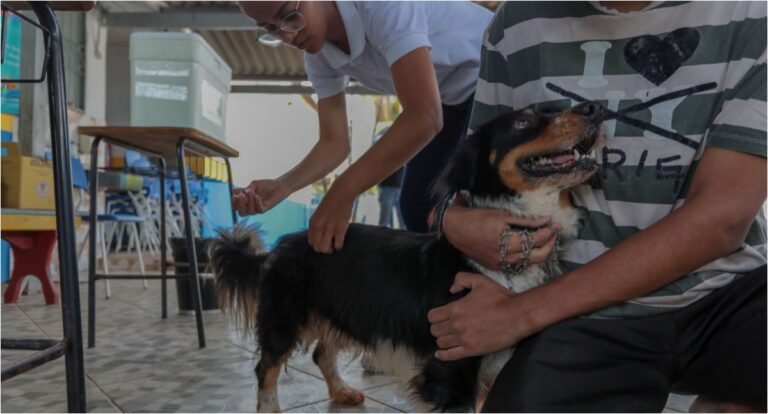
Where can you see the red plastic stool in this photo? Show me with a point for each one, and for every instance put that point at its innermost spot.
(31, 257)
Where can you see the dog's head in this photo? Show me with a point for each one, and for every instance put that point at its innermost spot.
(526, 150)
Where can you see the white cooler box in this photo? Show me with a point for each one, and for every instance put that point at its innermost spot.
(178, 80)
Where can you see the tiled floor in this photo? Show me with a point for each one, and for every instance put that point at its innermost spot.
(142, 363)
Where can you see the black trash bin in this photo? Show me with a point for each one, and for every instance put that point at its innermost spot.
(184, 290)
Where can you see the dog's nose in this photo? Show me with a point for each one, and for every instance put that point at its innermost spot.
(591, 110)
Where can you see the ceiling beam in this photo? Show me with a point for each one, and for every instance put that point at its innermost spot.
(295, 89)
(211, 19)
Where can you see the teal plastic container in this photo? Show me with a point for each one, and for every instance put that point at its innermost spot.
(178, 80)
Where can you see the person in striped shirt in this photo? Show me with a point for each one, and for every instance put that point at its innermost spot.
(665, 286)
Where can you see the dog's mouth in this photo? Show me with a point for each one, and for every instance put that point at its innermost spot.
(580, 157)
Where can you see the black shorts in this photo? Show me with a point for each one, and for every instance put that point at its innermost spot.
(715, 347)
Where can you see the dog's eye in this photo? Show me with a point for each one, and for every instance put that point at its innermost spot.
(522, 123)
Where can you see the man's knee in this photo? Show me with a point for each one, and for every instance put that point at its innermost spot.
(585, 365)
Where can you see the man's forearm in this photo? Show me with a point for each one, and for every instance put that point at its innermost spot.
(404, 139)
(682, 242)
(321, 160)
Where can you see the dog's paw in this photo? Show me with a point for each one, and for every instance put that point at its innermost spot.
(348, 396)
(267, 402)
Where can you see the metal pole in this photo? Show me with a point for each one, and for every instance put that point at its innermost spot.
(52, 350)
(191, 252)
(231, 186)
(163, 240)
(65, 220)
(93, 213)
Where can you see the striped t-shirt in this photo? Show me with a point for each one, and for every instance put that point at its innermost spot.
(683, 76)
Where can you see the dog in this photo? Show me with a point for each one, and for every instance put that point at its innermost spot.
(375, 293)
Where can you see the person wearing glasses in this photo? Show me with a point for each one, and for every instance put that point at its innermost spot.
(426, 53)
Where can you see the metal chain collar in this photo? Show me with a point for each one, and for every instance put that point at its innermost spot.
(526, 246)
(557, 236)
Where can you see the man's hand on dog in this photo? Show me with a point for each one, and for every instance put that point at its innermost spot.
(259, 196)
(330, 221)
(481, 322)
(476, 232)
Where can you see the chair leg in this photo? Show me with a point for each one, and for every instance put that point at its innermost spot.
(135, 234)
(120, 230)
(82, 247)
(148, 237)
(104, 256)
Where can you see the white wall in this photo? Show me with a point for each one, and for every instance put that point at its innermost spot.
(274, 132)
(118, 78)
(95, 66)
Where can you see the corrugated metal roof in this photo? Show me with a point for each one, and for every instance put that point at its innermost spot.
(248, 58)
(175, 5)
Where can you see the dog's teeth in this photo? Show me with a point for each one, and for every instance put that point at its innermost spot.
(576, 154)
(593, 154)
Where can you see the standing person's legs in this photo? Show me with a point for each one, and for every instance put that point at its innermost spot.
(415, 199)
(387, 200)
(398, 213)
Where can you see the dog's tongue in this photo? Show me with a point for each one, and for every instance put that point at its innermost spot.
(562, 159)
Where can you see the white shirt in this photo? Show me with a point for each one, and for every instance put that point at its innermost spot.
(381, 32)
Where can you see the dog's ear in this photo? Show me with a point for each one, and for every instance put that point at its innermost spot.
(461, 170)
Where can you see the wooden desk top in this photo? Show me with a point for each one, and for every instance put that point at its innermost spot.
(162, 140)
(14, 219)
(82, 6)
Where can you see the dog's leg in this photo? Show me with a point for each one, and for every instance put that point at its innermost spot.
(267, 372)
(274, 354)
(282, 313)
(325, 358)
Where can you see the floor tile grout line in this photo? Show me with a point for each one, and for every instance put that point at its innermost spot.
(227, 342)
(328, 399)
(241, 347)
(320, 377)
(34, 322)
(64, 393)
(385, 404)
(378, 386)
(109, 397)
(117, 406)
(307, 404)
(136, 305)
(306, 372)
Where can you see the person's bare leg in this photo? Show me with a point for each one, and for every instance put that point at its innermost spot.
(704, 404)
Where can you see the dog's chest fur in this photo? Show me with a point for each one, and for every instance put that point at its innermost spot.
(543, 202)
(538, 203)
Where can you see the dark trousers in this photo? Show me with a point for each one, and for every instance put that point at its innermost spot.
(715, 346)
(416, 200)
(389, 207)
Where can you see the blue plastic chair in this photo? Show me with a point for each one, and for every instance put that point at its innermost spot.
(118, 218)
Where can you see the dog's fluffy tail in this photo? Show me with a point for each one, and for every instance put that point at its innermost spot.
(236, 259)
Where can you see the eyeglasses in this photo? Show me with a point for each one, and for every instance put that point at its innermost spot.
(291, 23)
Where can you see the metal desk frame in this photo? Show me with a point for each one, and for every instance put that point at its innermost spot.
(71, 346)
(181, 147)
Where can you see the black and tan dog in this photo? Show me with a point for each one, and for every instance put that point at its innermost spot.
(374, 294)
